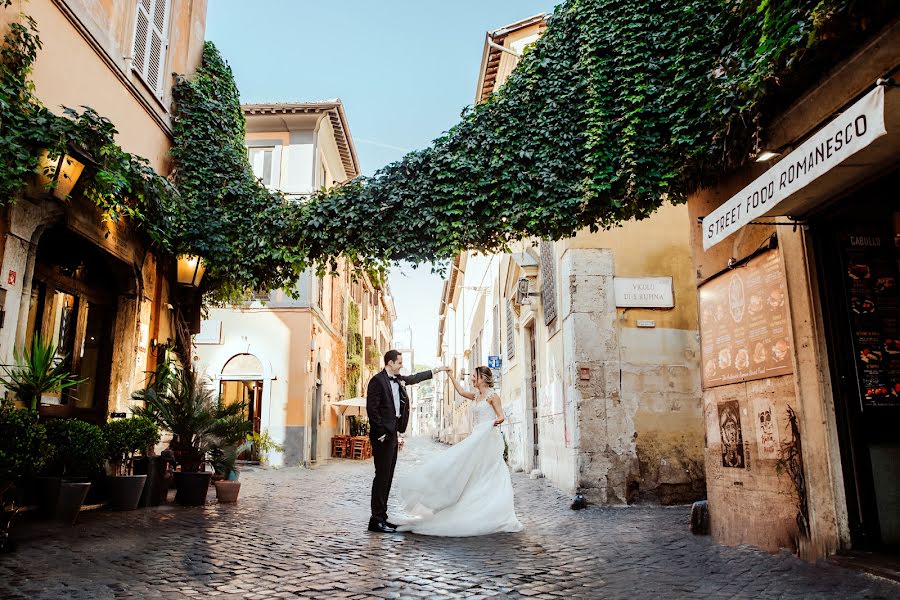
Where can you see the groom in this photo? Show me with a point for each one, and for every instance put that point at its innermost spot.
(388, 407)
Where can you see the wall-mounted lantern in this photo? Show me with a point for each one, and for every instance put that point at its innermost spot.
(523, 296)
(56, 175)
(190, 270)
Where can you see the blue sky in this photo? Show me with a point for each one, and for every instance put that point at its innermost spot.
(403, 68)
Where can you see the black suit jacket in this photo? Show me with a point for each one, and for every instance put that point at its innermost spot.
(380, 403)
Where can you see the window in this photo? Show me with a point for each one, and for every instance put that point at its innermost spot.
(261, 160)
(548, 282)
(151, 42)
(510, 333)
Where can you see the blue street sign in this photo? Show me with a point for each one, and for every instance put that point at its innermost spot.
(494, 362)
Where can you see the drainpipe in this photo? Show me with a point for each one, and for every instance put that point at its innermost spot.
(494, 44)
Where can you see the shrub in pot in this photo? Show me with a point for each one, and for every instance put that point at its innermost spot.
(23, 451)
(79, 449)
(124, 438)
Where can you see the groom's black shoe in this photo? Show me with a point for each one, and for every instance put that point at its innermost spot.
(381, 527)
(391, 525)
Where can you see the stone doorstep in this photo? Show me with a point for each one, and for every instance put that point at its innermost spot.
(873, 563)
(84, 507)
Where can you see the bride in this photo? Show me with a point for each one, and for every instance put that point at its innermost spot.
(466, 490)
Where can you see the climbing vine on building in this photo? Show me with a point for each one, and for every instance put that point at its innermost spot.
(354, 343)
(122, 185)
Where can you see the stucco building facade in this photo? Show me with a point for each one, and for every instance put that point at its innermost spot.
(291, 356)
(96, 289)
(597, 343)
(826, 245)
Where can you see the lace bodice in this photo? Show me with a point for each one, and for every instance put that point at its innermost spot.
(482, 411)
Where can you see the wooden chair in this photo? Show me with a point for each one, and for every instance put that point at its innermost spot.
(338, 447)
(358, 448)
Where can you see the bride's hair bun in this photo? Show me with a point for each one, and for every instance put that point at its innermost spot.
(486, 375)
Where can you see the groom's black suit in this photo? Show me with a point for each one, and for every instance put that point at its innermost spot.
(383, 421)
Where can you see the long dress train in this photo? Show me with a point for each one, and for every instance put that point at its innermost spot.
(465, 490)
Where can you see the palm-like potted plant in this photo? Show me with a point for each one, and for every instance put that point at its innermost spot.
(224, 461)
(183, 405)
(124, 439)
(37, 373)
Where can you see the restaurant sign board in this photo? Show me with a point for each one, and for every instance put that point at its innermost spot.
(847, 134)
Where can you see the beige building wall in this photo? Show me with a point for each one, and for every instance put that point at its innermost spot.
(92, 40)
(84, 61)
(758, 504)
(593, 402)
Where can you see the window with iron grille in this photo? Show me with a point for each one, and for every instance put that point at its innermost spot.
(151, 42)
(510, 333)
(548, 282)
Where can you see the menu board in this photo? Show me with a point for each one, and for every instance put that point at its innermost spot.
(744, 323)
(870, 260)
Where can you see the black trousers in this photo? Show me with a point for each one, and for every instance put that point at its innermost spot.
(385, 458)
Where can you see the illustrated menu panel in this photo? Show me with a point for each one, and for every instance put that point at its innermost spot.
(744, 323)
(873, 297)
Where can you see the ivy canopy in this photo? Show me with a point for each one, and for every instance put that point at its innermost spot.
(618, 107)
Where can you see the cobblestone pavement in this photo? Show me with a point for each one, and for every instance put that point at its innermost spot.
(298, 532)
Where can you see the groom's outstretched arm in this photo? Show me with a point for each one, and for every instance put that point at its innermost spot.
(374, 399)
(417, 378)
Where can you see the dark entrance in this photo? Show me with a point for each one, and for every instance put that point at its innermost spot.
(858, 249)
(532, 379)
(73, 303)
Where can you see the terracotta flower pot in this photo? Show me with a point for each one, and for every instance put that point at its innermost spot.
(227, 491)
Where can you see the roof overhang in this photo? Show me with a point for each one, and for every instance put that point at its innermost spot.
(333, 109)
(490, 58)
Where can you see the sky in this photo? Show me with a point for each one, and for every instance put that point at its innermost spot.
(404, 70)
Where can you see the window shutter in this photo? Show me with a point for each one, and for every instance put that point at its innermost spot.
(510, 333)
(548, 282)
(151, 42)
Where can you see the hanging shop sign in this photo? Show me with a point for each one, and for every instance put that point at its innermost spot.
(847, 134)
(744, 329)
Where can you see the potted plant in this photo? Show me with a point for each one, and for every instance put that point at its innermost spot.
(157, 468)
(262, 444)
(124, 438)
(224, 463)
(183, 405)
(37, 373)
(23, 450)
(79, 448)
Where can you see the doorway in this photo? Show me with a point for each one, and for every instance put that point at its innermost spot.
(241, 382)
(858, 249)
(533, 396)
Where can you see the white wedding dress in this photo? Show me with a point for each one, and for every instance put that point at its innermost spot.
(463, 491)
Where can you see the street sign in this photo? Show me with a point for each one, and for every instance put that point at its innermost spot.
(494, 362)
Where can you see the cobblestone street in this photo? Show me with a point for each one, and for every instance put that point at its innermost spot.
(299, 532)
